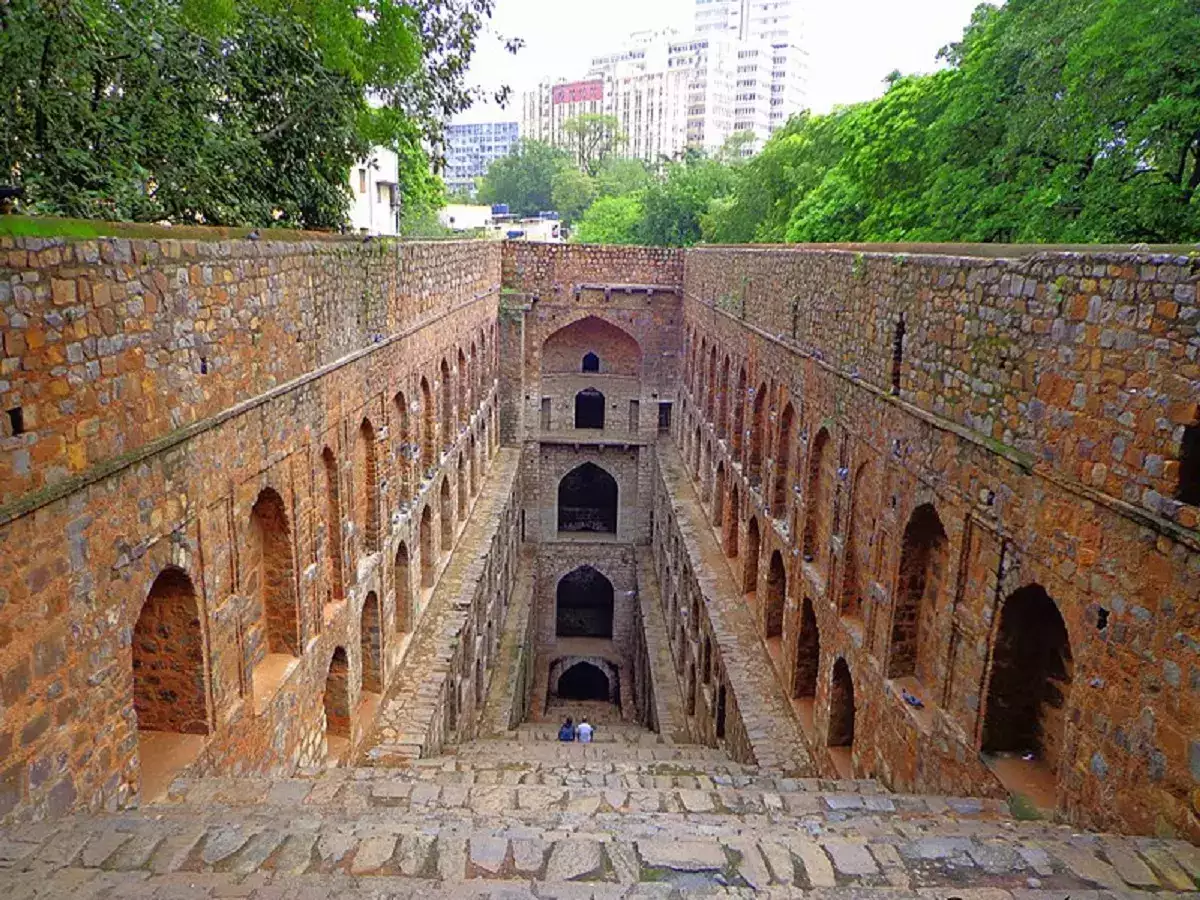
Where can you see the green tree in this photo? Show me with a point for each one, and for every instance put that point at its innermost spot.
(591, 138)
(524, 179)
(611, 220)
(675, 207)
(248, 113)
(572, 192)
(619, 175)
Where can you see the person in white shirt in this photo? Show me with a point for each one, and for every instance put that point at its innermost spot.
(583, 732)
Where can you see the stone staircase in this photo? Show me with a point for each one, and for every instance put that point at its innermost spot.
(633, 814)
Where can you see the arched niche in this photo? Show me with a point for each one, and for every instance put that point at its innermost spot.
(563, 350)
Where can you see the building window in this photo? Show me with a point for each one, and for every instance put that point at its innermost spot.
(362, 181)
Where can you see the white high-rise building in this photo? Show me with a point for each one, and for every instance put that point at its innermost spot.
(777, 24)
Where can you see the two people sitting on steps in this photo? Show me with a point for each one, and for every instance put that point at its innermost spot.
(572, 732)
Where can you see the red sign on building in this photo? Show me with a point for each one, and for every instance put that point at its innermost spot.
(578, 91)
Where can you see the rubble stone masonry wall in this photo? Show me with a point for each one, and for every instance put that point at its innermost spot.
(977, 472)
(233, 430)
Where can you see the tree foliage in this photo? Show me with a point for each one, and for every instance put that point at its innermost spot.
(591, 138)
(525, 177)
(611, 220)
(246, 113)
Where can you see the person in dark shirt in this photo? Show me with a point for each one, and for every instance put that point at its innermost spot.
(567, 732)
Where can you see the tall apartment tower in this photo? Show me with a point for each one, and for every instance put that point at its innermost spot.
(775, 77)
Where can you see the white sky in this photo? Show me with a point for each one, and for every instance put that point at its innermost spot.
(852, 44)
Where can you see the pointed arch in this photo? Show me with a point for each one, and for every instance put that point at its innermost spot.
(428, 427)
(733, 521)
(589, 409)
(723, 400)
(333, 527)
(428, 552)
(270, 580)
(783, 461)
(858, 536)
(718, 501)
(402, 577)
(590, 363)
(808, 653)
(405, 449)
(447, 417)
(367, 474)
(584, 604)
(587, 500)
(168, 658)
(818, 500)
(464, 391)
(336, 699)
(1029, 682)
(564, 350)
(923, 558)
(841, 706)
(461, 487)
(446, 515)
(738, 438)
(711, 387)
(775, 602)
(371, 639)
(753, 550)
(758, 430)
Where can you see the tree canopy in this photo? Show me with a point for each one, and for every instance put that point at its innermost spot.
(246, 113)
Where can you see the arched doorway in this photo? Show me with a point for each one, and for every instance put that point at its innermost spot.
(733, 522)
(591, 363)
(333, 525)
(783, 462)
(368, 486)
(718, 501)
(447, 416)
(428, 553)
(336, 702)
(446, 514)
(273, 637)
(589, 409)
(858, 535)
(753, 550)
(403, 586)
(808, 653)
(818, 501)
(841, 707)
(758, 427)
(587, 501)
(464, 409)
(1028, 688)
(584, 604)
(737, 439)
(428, 427)
(773, 605)
(371, 638)
(584, 681)
(462, 492)
(169, 696)
(923, 559)
(723, 401)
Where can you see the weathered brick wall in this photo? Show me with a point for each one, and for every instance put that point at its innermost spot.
(1033, 446)
(555, 271)
(111, 344)
(173, 483)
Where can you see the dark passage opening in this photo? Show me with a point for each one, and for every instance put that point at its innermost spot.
(1189, 466)
(585, 604)
(897, 354)
(587, 500)
(589, 409)
(583, 681)
(591, 362)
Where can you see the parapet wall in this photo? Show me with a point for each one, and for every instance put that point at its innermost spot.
(1084, 364)
(111, 344)
(548, 269)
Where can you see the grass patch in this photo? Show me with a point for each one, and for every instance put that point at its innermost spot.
(91, 229)
(1023, 809)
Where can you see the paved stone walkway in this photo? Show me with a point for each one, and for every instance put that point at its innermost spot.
(771, 725)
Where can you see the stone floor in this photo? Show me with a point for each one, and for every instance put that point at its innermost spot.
(632, 815)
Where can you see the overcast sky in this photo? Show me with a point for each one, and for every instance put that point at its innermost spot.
(852, 44)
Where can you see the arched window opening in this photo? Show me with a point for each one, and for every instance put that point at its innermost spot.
(462, 487)
(690, 696)
(783, 462)
(405, 450)
(584, 682)
(446, 514)
(808, 653)
(428, 553)
(371, 638)
(169, 697)
(923, 558)
(723, 401)
(464, 407)
(447, 416)
(475, 379)
(776, 597)
(897, 354)
(368, 476)
(337, 706)
(718, 502)
(819, 501)
(333, 526)
(428, 427)
(706, 660)
(841, 707)
(473, 465)
(711, 389)
(721, 712)
(587, 501)
(589, 409)
(758, 426)
(403, 579)
(591, 363)
(1189, 466)
(275, 627)
(1030, 680)
(739, 415)
(857, 537)
(753, 549)
(584, 605)
(733, 522)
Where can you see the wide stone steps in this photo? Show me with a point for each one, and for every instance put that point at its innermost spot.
(295, 854)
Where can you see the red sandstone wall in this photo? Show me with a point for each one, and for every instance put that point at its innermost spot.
(1086, 367)
(78, 560)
